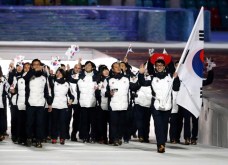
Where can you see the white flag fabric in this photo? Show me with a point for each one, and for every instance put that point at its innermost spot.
(190, 69)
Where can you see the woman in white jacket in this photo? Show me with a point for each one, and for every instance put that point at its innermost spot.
(87, 85)
(21, 107)
(103, 112)
(60, 92)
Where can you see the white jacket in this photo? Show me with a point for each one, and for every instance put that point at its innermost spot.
(120, 99)
(60, 95)
(14, 97)
(73, 88)
(3, 86)
(144, 95)
(175, 106)
(36, 94)
(21, 94)
(104, 100)
(160, 87)
(86, 88)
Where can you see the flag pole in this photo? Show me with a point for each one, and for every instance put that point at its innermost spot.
(128, 50)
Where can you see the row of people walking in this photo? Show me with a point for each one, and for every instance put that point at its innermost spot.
(108, 106)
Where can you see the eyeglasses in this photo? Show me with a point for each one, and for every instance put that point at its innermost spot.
(159, 65)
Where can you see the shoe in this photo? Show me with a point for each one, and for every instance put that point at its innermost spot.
(126, 141)
(146, 141)
(173, 142)
(85, 141)
(101, 141)
(62, 141)
(134, 136)
(116, 143)
(6, 134)
(120, 142)
(105, 141)
(141, 140)
(53, 141)
(29, 142)
(68, 136)
(92, 141)
(19, 141)
(161, 149)
(187, 142)
(193, 142)
(178, 141)
(14, 139)
(48, 138)
(2, 138)
(73, 137)
(38, 145)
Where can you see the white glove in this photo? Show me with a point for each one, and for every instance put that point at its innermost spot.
(210, 64)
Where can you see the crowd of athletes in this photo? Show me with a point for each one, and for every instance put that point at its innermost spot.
(105, 105)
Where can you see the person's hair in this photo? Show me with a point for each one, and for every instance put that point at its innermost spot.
(62, 72)
(90, 62)
(36, 60)
(160, 61)
(27, 63)
(62, 65)
(114, 64)
(128, 71)
(102, 67)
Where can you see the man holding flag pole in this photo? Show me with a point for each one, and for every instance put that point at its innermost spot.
(190, 72)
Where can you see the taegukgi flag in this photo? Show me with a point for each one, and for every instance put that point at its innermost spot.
(190, 69)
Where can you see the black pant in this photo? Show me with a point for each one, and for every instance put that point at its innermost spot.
(2, 130)
(35, 122)
(102, 124)
(47, 123)
(176, 123)
(5, 127)
(88, 123)
(21, 124)
(68, 119)
(59, 121)
(187, 124)
(161, 121)
(76, 118)
(129, 125)
(194, 127)
(14, 122)
(143, 115)
(117, 121)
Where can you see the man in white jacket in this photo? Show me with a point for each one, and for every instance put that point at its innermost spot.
(36, 96)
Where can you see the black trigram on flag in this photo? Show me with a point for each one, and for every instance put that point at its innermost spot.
(201, 92)
(201, 35)
(187, 52)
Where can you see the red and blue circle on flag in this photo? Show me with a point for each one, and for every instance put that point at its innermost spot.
(198, 63)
